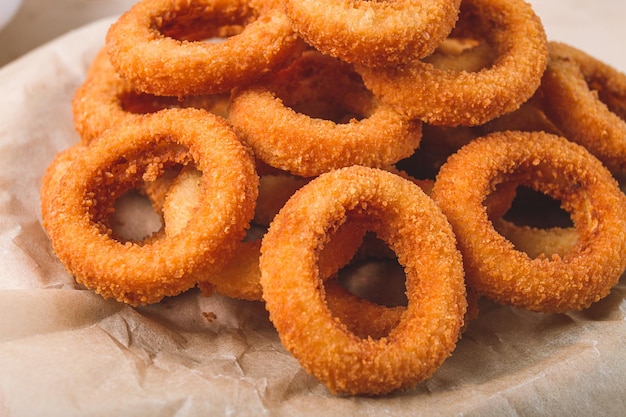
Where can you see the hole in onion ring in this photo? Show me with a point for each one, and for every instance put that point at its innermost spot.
(536, 224)
(369, 294)
(134, 218)
(135, 193)
(462, 54)
(195, 24)
(322, 87)
(375, 274)
(379, 281)
(535, 209)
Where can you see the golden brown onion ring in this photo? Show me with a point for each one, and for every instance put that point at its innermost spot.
(374, 32)
(452, 98)
(159, 45)
(415, 229)
(145, 272)
(105, 100)
(263, 115)
(240, 277)
(566, 172)
(586, 99)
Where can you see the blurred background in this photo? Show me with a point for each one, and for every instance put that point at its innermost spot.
(38, 21)
(594, 26)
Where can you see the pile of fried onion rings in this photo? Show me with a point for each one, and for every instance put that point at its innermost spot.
(284, 144)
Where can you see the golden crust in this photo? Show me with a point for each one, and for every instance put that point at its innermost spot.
(374, 33)
(451, 98)
(403, 216)
(263, 116)
(566, 172)
(105, 100)
(137, 272)
(585, 98)
(159, 47)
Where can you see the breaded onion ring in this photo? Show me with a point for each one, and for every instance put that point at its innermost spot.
(264, 116)
(374, 32)
(240, 277)
(564, 171)
(452, 98)
(158, 45)
(414, 228)
(105, 100)
(145, 272)
(586, 99)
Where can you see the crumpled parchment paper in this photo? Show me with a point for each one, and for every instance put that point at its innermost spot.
(65, 351)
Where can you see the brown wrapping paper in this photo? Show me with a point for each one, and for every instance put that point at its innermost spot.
(65, 351)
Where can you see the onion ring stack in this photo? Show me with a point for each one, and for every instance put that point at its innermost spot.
(283, 144)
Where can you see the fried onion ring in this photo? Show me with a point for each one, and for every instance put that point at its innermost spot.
(145, 272)
(263, 115)
(105, 100)
(564, 171)
(159, 47)
(415, 229)
(586, 99)
(452, 98)
(240, 277)
(374, 32)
